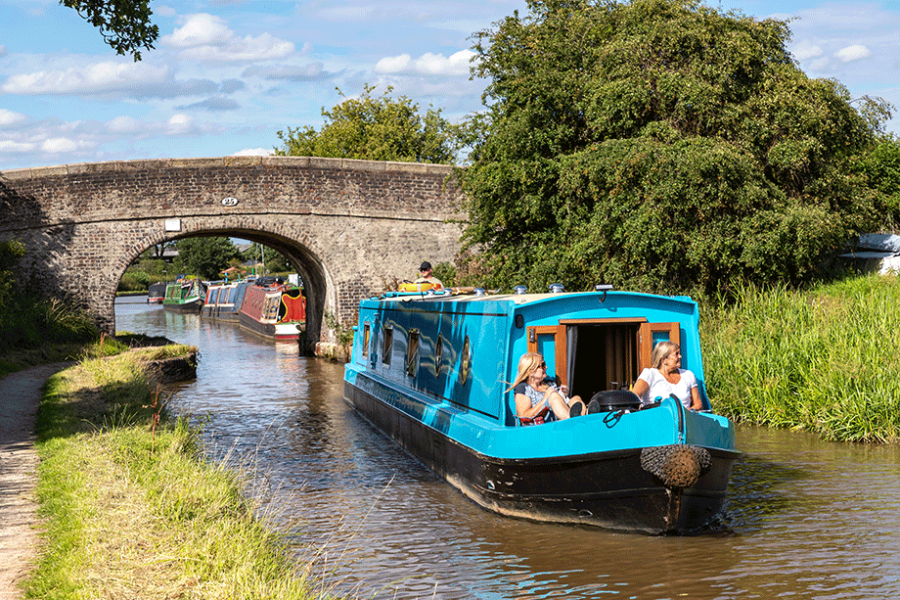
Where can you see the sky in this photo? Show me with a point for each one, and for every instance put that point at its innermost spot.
(227, 75)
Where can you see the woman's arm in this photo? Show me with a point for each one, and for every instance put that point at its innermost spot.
(640, 388)
(696, 400)
(525, 410)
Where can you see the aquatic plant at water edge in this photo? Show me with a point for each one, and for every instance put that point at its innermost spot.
(825, 360)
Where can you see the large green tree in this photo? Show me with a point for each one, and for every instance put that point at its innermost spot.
(376, 128)
(204, 257)
(659, 145)
(124, 24)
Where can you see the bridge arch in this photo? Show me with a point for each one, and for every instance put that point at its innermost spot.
(347, 226)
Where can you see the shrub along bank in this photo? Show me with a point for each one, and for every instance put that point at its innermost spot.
(131, 508)
(824, 360)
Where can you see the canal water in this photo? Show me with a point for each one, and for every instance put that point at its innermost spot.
(804, 519)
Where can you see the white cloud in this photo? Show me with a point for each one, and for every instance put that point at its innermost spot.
(807, 50)
(180, 124)
(8, 117)
(98, 77)
(14, 147)
(206, 37)
(59, 145)
(427, 64)
(851, 53)
(200, 30)
(393, 64)
(164, 11)
(253, 152)
(124, 125)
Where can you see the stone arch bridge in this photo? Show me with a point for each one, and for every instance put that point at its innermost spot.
(348, 226)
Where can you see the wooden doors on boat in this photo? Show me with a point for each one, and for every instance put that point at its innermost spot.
(591, 355)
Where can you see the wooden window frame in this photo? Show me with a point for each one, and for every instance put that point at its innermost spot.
(645, 338)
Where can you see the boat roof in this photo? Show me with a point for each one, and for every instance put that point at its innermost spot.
(516, 299)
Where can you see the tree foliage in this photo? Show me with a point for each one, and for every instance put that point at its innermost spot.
(376, 128)
(124, 24)
(659, 145)
(204, 257)
(271, 260)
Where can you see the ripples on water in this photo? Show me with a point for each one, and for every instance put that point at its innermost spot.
(805, 518)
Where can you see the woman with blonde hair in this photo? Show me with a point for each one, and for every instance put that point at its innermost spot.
(537, 399)
(666, 377)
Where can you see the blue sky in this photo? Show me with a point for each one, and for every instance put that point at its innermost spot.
(226, 75)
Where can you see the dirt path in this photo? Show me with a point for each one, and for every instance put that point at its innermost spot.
(20, 394)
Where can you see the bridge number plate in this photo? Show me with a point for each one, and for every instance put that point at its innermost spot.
(229, 201)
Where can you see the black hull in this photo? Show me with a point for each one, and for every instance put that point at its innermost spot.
(192, 308)
(605, 489)
(221, 314)
(257, 327)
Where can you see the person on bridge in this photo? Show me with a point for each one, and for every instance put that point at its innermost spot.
(425, 275)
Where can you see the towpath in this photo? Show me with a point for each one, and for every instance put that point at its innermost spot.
(20, 394)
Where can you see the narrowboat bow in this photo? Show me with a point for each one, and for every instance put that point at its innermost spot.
(431, 371)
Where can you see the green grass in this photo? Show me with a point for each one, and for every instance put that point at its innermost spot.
(132, 511)
(824, 360)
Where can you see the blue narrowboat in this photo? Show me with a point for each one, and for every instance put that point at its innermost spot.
(432, 370)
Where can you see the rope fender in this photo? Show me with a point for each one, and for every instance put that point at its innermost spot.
(676, 465)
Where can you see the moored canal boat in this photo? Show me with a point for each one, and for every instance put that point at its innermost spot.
(185, 296)
(156, 293)
(273, 309)
(431, 370)
(224, 299)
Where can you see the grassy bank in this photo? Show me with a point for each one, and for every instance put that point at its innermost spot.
(132, 510)
(824, 360)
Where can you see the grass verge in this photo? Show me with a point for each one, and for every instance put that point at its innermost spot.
(823, 360)
(131, 510)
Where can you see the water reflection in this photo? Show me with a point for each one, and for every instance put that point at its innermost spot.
(805, 519)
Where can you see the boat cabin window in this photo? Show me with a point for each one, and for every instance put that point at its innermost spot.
(438, 355)
(387, 337)
(365, 340)
(412, 353)
(465, 359)
(591, 356)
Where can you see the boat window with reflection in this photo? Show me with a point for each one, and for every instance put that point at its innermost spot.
(464, 362)
(438, 355)
(412, 353)
(365, 340)
(387, 336)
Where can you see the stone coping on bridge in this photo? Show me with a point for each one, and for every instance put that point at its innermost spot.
(304, 162)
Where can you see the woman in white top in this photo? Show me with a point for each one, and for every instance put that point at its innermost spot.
(666, 377)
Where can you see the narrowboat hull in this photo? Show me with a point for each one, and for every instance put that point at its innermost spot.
(273, 311)
(193, 306)
(608, 489)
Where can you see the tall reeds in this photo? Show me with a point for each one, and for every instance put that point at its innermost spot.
(824, 360)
